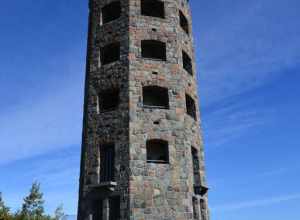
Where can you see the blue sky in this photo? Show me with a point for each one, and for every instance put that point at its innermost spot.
(248, 65)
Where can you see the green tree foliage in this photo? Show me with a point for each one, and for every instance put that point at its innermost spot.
(4, 210)
(59, 212)
(32, 207)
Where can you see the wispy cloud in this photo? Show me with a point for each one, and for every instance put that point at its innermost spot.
(236, 182)
(57, 172)
(256, 203)
(231, 120)
(50, 122)
(244, 46)
(276, 172)
(247, 47)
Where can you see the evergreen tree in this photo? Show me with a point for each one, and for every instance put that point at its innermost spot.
(33, 206)
(59, 212)
(4, 210)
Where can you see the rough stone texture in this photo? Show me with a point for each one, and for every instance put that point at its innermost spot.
(147, 191)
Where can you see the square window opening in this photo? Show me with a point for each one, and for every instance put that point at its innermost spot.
(187, 63)
(184, 22)
(110, 53)
(155, 97)
(111, 12)
(109, 100)
(157, 151)
(153, 8)
(154, 49)
(190, 107)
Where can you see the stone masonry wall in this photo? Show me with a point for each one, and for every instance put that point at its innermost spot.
(148, 191)
(108, 127)
(162, 191)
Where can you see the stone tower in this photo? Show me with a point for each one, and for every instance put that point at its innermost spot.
(142, 151)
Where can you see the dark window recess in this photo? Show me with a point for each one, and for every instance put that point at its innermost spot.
(187, 63)
(110, 53)
(196, 167)
(154, 49)
(203, 209)
(157, 151)
(155, 97)
(107, 160)
(184, 22)
(200, 190)
(153, 8)
(109, 100)
(97, 209)
(190, 107)
(88, 180)
(111, 12)
(195, 208)
(114, 208)
(156, 122)
(197, 190)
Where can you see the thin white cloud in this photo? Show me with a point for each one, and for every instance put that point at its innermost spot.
(252, 177)
(58, 174)
(53, 121)
(55, 167)
(230, 121)
(256, 203)
(242, 47)
(247, 48)
(276, 172)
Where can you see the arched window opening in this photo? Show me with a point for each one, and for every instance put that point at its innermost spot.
(155, 97)
(153, 8)
(157, 151)
(187, 63)
(111, 12)
(110, 53)
(184, 22)
(190, 107)
(108, 100)
(153, 49)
